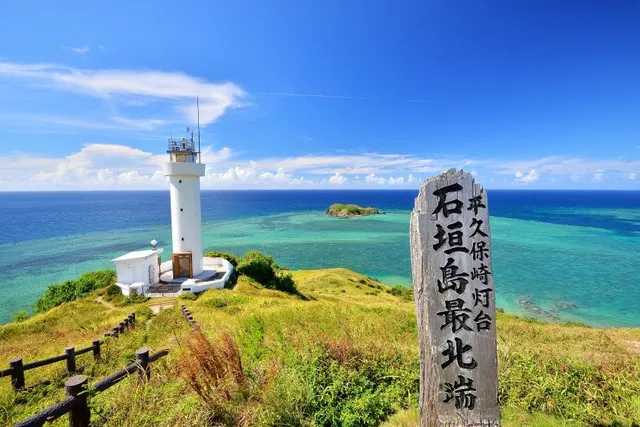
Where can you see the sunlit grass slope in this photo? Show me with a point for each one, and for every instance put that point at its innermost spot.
(344, 352)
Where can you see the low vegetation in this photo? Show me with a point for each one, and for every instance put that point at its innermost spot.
(341, 210)
(233, 259)
(73, 289)
(347, 355)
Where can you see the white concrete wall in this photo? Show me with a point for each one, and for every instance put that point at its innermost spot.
(137, 271)
(186, 219)
(125, 273)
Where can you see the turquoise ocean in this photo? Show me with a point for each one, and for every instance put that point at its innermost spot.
(557, 255)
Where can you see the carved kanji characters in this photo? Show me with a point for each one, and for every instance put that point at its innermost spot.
(454, 238)
(475, 203)
(481, 273)
(455, 353)
(462, 392)
(455, 315)
(451, 279)
(452, 206)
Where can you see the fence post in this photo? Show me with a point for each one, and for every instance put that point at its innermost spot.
(96, 349)
(71, 359)
(142, 359)
(80, 415)
(17, 373)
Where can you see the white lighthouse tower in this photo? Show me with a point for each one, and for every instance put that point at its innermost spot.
(142, 272)
(184, 171)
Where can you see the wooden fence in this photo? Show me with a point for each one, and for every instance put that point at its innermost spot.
(189, 317)
(128, 321)
(17, 367)
(76, 403)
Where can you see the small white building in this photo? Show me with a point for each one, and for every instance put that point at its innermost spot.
(143, 272)
(137, 271)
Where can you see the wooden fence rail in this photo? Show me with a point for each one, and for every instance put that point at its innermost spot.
(17, 367)
(76, 403)
(189, 317)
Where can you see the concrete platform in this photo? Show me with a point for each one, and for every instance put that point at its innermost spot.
(216, 273)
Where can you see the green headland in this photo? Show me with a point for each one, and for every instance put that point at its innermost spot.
(303, 348)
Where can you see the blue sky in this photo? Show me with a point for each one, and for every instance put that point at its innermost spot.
(332, 94)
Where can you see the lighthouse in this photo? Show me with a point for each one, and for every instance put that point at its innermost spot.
(184, 171)
(143, 272)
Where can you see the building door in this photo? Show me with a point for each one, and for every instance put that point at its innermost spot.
(182, 265)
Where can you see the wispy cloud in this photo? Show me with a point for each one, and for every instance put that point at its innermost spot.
(81, 50)
(332, 96)
(126, 86)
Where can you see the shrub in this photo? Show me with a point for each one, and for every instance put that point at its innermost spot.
(232, 258)
(258, 266)
(133, 300)
(20, 316)
(112, 292)
(285, 283)
(264, 270)
(189, 296)
(143, 313)
(404, 292)
(73, 289)
(352, 386)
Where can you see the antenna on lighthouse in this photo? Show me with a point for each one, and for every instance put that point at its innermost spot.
(198, 108)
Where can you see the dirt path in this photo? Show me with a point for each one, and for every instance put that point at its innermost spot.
(156, 308)
(105, 303)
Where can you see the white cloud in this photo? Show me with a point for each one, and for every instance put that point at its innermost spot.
(131, 85)
(81, 50)
(113, 166)
(373, 179)
(532, 176)
(564, 166)
(338, 179)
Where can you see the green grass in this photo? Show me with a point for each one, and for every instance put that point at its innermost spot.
(343, 351)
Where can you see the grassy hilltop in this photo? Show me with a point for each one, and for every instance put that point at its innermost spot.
(341, 351)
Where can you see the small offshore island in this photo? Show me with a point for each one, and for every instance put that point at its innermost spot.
(347, 211)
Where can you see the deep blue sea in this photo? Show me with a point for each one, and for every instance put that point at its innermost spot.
(558, 255)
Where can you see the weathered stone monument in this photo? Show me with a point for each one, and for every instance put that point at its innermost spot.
(455, 302)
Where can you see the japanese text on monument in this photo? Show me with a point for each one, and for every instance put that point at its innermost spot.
(455, 299)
